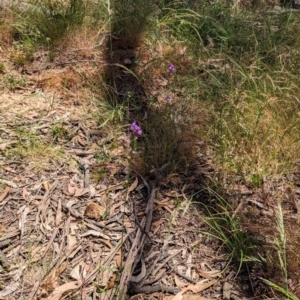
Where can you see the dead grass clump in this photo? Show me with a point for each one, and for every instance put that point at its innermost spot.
(59, 80)
(83, 41)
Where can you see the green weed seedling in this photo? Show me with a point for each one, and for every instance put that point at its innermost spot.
(12, 82)
(23, 53)
(177, 202)
(256, 180)
(58, 131)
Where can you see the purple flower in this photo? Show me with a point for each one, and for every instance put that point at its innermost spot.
(168, 98)
(171, 68)
(105, 181)
(136, 129)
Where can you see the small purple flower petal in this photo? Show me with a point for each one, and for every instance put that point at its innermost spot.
(133, 126)
(105, 181)
(171, 68)
(136, 129)
(168, 98)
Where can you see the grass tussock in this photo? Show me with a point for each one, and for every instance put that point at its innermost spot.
(48, 21)
(245, 76)
(224, 224)
(282, 286)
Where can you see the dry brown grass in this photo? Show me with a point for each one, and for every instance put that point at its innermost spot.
(6, 28)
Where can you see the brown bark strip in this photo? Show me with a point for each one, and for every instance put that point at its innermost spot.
(138, 243)
(149, 289)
